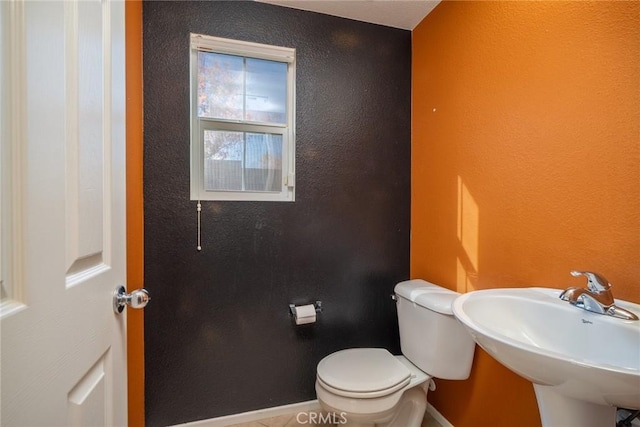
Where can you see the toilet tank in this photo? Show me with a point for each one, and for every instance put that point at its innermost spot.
(430, 336)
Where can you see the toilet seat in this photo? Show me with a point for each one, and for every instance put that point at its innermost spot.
(363, 395)
(362, 373)
(377, 407)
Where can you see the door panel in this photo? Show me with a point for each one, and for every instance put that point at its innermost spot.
(87, 401)
(63, 359)
(84, 57)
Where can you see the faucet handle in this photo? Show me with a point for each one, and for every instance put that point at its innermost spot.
(595, 282)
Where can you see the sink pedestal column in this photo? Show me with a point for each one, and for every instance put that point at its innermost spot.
(559, 410)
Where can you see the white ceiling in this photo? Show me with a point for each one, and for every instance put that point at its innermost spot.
(392, 13)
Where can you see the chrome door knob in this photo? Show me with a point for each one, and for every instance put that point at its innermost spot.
(136, 299)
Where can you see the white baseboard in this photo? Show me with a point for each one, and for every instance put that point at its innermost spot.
(260, 414)
(438, 416)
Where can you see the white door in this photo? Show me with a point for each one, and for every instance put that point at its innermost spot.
(63, 358)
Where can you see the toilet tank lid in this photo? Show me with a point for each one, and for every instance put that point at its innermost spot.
(427, 295)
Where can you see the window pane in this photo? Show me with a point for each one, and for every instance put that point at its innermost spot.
(220, 86)
(242, 161)
(263, 162)
(266, 97)
(223, 154)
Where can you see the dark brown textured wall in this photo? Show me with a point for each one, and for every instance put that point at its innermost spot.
(218, 336)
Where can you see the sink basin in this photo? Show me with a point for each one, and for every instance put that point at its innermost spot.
(583, 365)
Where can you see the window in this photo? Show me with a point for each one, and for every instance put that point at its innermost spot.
(242, 112)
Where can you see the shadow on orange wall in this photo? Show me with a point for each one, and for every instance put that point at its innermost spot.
(525, 164)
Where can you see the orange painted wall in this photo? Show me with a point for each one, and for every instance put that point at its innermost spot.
(525, 164)
(135, 220)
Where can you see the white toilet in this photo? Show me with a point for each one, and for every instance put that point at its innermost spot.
(371, 387)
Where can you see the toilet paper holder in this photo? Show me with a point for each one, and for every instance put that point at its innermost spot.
(317, 305)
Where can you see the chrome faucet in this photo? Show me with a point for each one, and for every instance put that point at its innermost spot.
(596, 298)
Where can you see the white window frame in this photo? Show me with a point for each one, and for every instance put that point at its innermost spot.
(204, 43)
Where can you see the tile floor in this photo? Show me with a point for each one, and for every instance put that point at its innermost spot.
(291, 421)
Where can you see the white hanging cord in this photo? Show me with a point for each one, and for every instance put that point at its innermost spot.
(199, 209)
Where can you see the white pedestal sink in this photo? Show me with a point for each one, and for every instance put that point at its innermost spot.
(583, 365)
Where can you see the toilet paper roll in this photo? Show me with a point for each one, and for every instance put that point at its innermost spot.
(305, 314)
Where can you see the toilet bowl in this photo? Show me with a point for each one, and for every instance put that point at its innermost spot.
(372, 387)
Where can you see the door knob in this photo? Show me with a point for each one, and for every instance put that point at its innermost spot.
(136, 299)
